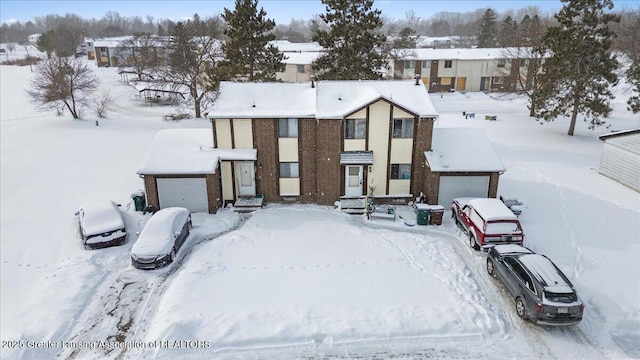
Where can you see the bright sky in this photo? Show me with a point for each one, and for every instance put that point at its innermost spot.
(282, 11)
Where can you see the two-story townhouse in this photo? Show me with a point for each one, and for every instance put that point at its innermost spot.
(317, 142)
(481, 69)
(298, 59)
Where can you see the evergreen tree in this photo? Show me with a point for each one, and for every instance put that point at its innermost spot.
(407, 39)
(508, 32)
(580, 68)
(488, 31)
(353, 41)
(633, 78)
(248, 53)
(45, 43)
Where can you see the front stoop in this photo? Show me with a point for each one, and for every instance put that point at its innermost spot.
(355, 206)
(247, 204)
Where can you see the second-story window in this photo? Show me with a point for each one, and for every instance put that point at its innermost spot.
(403, 128)
(288, 128)
(409, 64)
(300, 69)
(426, 64)
(355, 128)
(502, 62)
(448, 64)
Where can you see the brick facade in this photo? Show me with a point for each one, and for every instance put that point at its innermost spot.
(265, 139)
(307, 135)
(328, 148)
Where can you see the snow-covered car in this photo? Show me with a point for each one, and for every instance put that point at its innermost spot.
(162, 237)
(487, 221)
(542, 293)
(101, 225)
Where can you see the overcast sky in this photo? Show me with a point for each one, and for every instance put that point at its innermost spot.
(282, 11)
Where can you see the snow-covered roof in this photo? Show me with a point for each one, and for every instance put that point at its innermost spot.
(180, 151)
(300, 58)
(286, 46)
(462, 54)
(188, 151)
(462, 149)
(111, 42)
(492, 209)
(337, 99)
(604, 137)
(264, 100)
(326, 100)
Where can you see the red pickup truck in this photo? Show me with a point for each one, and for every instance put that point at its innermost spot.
(487, 221)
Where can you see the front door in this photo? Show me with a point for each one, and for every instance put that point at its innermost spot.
(245, 177)
(353, 180)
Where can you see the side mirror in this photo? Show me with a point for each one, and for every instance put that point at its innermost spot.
(177, 233)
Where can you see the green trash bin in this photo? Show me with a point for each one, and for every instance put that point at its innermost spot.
(139, 200)
(422, 214)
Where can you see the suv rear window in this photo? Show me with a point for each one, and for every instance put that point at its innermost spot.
(560, 297)
(506, 227)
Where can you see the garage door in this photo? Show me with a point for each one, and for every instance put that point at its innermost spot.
(190, 193)
(452, 187)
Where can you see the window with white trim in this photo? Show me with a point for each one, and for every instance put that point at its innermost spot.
(409, 64)
(502, 62)
(448, 64)
(426, 64)
(498, 80)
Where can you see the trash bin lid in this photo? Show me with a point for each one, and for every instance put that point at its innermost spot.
(423, 206)
(436, 207)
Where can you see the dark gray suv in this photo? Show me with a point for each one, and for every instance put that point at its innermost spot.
(542, 293)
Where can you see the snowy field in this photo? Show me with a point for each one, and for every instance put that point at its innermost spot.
(302, 281)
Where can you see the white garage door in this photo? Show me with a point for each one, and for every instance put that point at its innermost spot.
(452, 187)
(190, 193)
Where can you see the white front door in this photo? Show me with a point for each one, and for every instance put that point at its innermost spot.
(245, 176)
(353, 180)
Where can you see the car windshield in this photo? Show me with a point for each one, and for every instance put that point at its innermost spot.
(505, 227)
(560, 297)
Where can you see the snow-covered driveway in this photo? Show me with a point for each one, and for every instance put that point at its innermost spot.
(309, 278)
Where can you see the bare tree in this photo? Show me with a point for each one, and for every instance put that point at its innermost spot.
(104, 104)
(191, 60)
(140, 54)
(61, 82)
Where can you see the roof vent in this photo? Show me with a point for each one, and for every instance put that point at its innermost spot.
(254, 103)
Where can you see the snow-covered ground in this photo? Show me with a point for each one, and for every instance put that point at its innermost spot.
(302, 281)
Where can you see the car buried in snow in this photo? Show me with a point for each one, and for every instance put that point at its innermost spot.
(101, 225)
(487, 222)
(161, 238)
(542, 293)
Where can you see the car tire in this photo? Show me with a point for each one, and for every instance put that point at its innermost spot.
(491, 268)
(472, 243)
(521, 309)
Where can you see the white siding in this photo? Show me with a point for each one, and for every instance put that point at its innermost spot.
(452, 187)
(620, 164)
(190, 193)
